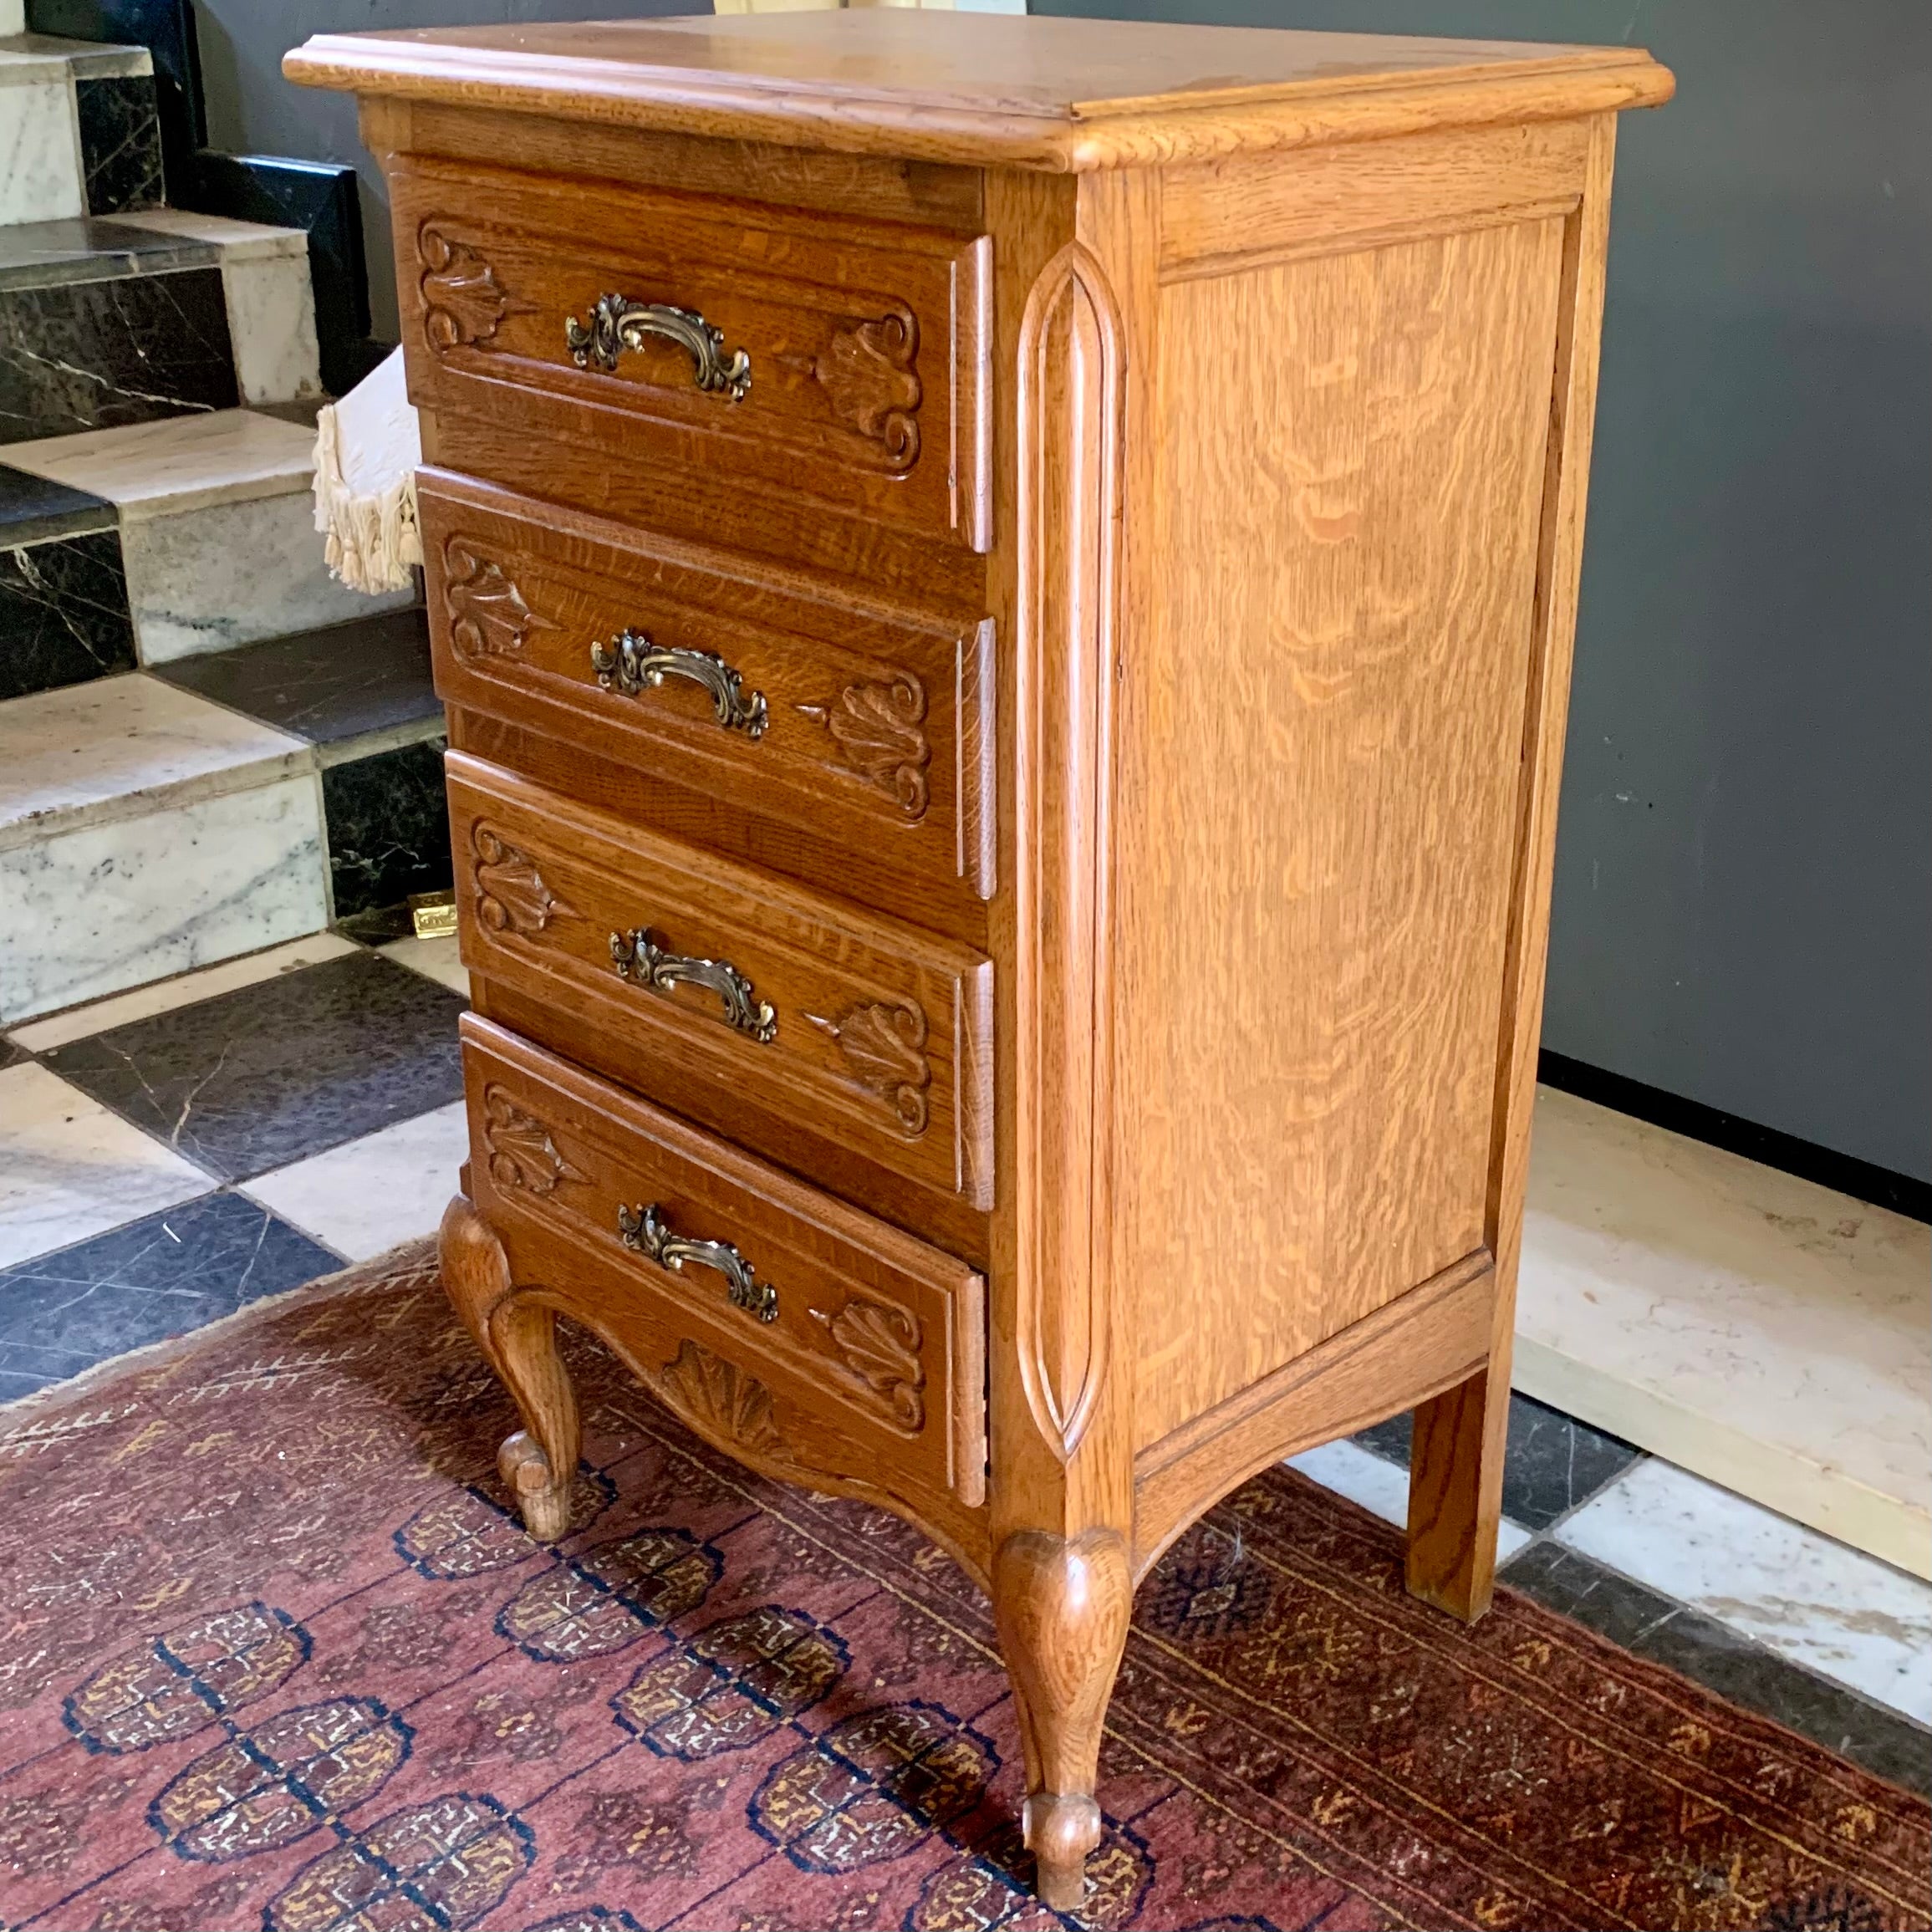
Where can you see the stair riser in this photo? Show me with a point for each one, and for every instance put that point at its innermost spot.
(120, 142)
(40, 169)
(64, 613)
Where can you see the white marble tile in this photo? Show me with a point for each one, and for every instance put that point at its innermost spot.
(270, 300)
(1765, 1332)
(12, 17)
(181, 463)
(118, 746)
(91, 60)
(1382, 1487)
(436, 959)
(228, 574)
(70, 1170)
(183, 990)
(1830, 1608)
(40, 171)
(388, 1187)
(114, 906)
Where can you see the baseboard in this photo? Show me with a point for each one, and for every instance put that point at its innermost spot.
(1863, 1180)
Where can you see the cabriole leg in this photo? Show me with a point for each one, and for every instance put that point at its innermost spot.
(519, 1336)
(1061, 1605)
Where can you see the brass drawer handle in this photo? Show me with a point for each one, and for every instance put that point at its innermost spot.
(643, 1229)
(617, 324)
(630, 662)
(641, 961)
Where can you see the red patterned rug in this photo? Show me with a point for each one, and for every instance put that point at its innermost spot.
(273, 1655)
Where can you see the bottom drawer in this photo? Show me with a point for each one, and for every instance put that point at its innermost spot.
(786, 1326)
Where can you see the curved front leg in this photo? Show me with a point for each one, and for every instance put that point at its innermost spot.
(1062, 1606)
(518, 1335)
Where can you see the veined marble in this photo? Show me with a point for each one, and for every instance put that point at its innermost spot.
(231, 573)
(436, 959)
(116, 905)
(123, 747)
(1814, 1601)
(271, 301)
(376, 1193)
(1762, 1331)
(69, 1169)
(120, 138)
(64, 614)
(41, 178)
(1381, 1487)
(184, 990)
(185, 463)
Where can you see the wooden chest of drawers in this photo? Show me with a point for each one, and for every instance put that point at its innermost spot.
(1006, 613)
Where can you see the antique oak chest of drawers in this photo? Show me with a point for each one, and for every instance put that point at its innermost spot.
(1004, 589)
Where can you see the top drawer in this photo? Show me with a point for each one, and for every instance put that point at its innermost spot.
(801, 351)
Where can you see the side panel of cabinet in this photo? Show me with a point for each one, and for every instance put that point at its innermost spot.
(1317, 804)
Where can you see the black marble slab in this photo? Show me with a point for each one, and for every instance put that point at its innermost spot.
(146, 1282)
(93, 248)
(369, 675)
(273, 1073)
(120, 142)
(12, 1055)
(388, 822)
(33, 510)
(1656, 1627)
(1551, 1464)
(63, 613)
(90, 355)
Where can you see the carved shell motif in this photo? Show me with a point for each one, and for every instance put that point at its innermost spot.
(463, 302)
(522, 1153)
(719, 1396)
(488, 615)
(867, 373)
(877, 729)
(879, 1345)
(884, 1048)
(511, 894)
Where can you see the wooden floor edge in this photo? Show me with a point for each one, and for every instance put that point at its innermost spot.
(1415, 1347)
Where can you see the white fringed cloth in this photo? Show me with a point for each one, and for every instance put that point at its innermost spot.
(367, 448)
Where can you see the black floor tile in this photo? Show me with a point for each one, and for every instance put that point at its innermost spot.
(33, 510)
(152, 1280)
(12, 1055)
(369, 675)
(1552, 1463)
(64, 613)
(388, 820)
(1699, 1647)
(273, 1072)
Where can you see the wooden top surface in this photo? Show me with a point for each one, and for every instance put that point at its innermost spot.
(1037, 92)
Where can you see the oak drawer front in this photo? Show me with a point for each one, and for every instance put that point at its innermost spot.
(829, 1018)
(787, 1322)
(802, 353)
(867, 724)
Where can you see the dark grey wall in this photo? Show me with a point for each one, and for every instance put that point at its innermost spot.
(1744, 880)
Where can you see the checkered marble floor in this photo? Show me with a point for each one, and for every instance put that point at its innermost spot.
(169, 1155)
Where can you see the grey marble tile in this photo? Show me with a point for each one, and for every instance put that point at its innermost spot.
(369, 675)
(35, 509)
(1657, 1627)
(120, 142)
(63, 613)
(148, 1281)
(92, 248)
(389, 827)
(95, 354)
(1552, 1463)
(274, 1071)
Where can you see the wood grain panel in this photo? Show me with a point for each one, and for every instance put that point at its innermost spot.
(839, 1016)
(864, 381)
(1313, 917)
(1331, 201)
(866, 722)
(871, 1366)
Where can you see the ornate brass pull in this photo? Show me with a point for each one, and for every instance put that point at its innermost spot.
(617, 324)
(631, 663)
(642, 1231)
(641, 961)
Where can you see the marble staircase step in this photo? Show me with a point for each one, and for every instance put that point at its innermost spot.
(80, 126)
(215, 533)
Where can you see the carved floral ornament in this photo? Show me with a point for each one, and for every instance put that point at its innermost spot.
(867, 372)
(878, 728)
(463, 302)
(883, 1048)
(522, 1149)
(489, 616)
(722, 1399)
(877, 1344)
(511, 892)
